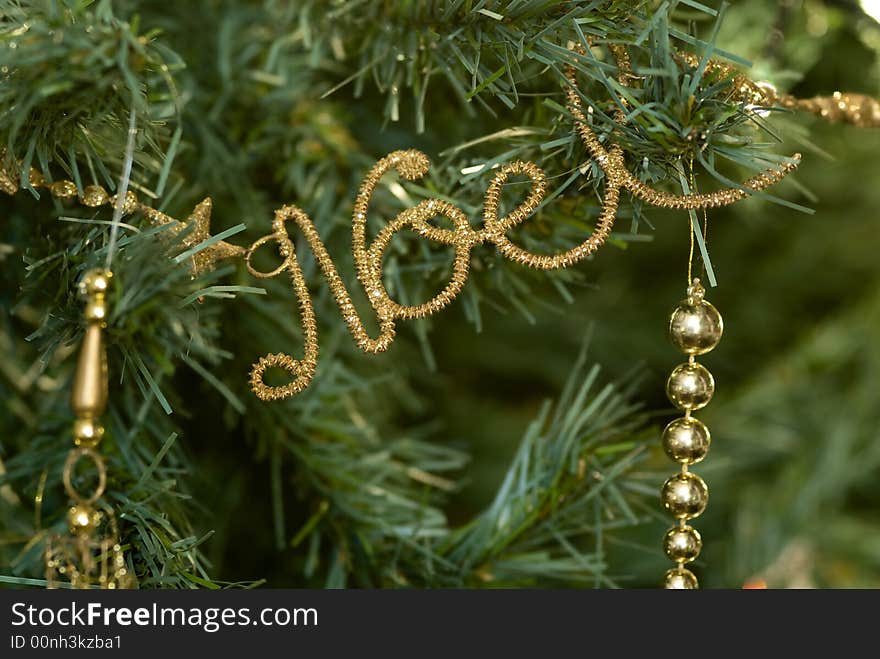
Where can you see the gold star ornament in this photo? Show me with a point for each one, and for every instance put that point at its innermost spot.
(198, 228)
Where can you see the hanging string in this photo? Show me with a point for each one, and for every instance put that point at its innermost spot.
(691, 230)
(705, 239)
(691, 225)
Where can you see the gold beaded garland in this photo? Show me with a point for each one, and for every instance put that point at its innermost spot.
(695, 327)
(65, 190)
(94, 195)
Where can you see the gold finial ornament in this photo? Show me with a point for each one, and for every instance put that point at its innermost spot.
(89, 393)
(82, 519)
(695, 327)
(87, 432)
(90, 556)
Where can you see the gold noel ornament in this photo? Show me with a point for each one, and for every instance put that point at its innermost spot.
(412, 165)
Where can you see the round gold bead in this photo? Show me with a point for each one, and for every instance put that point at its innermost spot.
(686, 440)
(130, 204)
(690, 386)
(685, 495)
(682, 544)
(35, 178)
(695, 327)
(95, 282)
(95, 311)
(63, 190)
(82, 519)
(94, 195)
(680, 579)
(87, 432)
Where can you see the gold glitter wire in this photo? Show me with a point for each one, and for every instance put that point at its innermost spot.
(368, 257)
(412, 165)
(613, 164)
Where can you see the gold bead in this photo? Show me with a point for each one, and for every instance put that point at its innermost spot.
(130, 204)
(682, 544)
(35, 178)
(686, 440)
(685, 495)
(95, 311)
(690, 386)
(680, 579)
(63, 190)
(87, 432)
(95, 282)
(695, 327)
(82, 519)
(94, 195)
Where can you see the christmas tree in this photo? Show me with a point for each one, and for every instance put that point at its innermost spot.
(514, 438)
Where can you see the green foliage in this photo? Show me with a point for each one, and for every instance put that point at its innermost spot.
(72, 73)
(393, 470)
